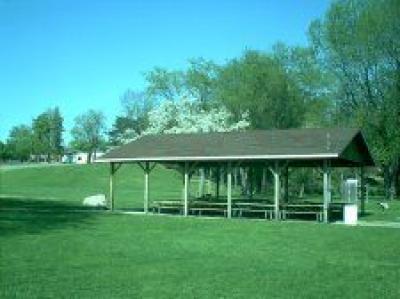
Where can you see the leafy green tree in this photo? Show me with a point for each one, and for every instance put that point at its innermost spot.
(134, 118)
(56, 130)
(47, 133)
(311, 80)
(358, 42)
(257, 83)
(164, 84)
(19, 143)
(41, 135)
(200, 79)
(5, 151)
(197, 82)
(88, 132)
(123, 129)
(2, 151)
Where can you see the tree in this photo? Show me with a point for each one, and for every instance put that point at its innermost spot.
(135, 105)
(123, 129)
(41, 135)
(134, 119)
(47, 133)
(188, 116)
(2, 151)
(19, 143)
(56, 131)
(88, 132)
(358, 42)
(197, 81)
(257, 83)
(164, 84)
(200, 79)
(310, 79)
(6, 151)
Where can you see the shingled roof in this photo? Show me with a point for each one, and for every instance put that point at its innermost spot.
(343, 145)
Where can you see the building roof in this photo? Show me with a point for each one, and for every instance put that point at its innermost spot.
(344, 146)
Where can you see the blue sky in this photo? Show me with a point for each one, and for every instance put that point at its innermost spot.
(84, 54)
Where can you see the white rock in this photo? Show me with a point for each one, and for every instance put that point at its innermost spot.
(98, 200)
(384, 205)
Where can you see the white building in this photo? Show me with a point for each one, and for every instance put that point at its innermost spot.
(80, 157)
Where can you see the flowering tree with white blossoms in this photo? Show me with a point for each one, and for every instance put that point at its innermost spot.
(187, 116)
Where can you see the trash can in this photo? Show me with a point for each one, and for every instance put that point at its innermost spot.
(350, 213)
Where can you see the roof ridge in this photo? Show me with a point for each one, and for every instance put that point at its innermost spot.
(255, 131)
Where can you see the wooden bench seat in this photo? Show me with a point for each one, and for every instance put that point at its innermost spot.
(159, 206)
(208, 209)
(263, 208)
(318, 214)
(268, 214)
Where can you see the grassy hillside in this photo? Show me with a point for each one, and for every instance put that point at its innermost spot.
(71, 183)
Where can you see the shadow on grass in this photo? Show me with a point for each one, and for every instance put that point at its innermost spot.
(32, 216)
(365, 215)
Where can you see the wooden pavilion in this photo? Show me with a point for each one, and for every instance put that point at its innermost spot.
(275, 149)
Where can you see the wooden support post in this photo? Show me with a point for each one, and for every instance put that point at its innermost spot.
(264, 180)
(217, 183)
(112, 191)
(229, 189)
(251, 182)
(201, 183)
(235, 179)
(362, 190)
(277, 191)
(209, 180)
(186, 190)
(327, 189)
(146, 187)
(287, 183)
(342, 185)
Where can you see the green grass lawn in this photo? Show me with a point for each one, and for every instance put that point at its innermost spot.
(71, 183)
(78, 255)
(66, 254)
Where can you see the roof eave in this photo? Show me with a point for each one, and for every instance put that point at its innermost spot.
(223, 158)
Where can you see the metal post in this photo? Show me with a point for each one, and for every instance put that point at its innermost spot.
(276, 189)
(186, 189)
(146, 187)
(326, 189)
(112, 172)
(229, 189)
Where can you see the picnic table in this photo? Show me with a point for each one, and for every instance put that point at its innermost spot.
(171, 205)
(254, 207)
(302, 209)
(200, 206)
